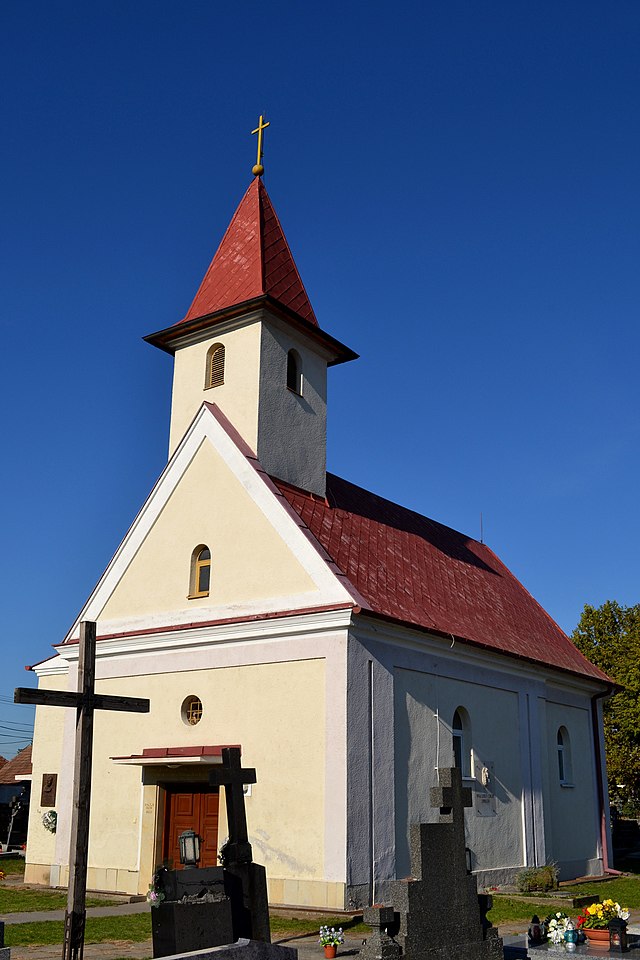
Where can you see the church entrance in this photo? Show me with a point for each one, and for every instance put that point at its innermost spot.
(191, 806)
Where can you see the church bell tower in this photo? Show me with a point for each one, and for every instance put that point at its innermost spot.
(250, 343)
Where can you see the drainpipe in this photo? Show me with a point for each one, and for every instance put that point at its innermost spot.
(600, 780)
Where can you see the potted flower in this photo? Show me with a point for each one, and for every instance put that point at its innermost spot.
(594, 920)
(330, 938)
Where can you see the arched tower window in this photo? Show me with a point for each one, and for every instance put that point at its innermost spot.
(200, 578)
(214, 375)
(294, 372)
(461, 734)
(564, 755)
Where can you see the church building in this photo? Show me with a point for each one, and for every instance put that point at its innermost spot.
(348, 645)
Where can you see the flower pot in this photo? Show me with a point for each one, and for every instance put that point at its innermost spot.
(330, 951)
(598, 939)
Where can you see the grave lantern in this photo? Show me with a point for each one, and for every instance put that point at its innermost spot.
(618, 940)
(570, 935)
(537, 933)
(189, 848)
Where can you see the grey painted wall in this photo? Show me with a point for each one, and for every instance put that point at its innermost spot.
(402, 691)
(292, 429)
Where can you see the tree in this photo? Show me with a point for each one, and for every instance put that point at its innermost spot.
(609, 636)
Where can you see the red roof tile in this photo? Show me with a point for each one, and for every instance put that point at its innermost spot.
(252, 260)
(417, 571)
(20, 766)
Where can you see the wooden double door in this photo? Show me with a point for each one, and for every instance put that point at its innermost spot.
(191, 806)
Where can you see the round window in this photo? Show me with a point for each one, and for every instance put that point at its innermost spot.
(192, 710)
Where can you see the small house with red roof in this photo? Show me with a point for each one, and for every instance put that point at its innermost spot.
(349, 645)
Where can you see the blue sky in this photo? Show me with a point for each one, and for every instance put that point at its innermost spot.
(459, 185)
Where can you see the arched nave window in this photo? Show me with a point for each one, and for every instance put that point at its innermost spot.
(461, 733)
(564, 756)
(200, 578)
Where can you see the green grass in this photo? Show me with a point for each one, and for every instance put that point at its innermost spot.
(12, 865)
(136, 928)
(282, 927)
(512, 910)
(624, 890)
(21, 900)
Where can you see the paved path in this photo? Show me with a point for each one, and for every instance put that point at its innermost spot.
(115, 910)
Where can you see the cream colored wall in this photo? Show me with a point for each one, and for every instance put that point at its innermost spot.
(275, 711)
(237, 397)
(424, 708)
(249, 559)
(46, 755)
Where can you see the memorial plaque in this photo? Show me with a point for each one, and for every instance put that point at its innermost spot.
(49, 785)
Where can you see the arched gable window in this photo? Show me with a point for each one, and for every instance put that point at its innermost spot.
(200, 572)
(461, 734)
(564, 756)
(294, 372)
(214, 375)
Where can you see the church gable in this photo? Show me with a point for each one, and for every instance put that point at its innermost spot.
(214, 541)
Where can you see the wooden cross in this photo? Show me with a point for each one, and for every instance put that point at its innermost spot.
(258, 169)
(232, 777)
(86, 701)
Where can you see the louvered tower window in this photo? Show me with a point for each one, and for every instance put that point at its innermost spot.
(215, 366)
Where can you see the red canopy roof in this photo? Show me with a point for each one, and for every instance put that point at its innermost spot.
(417, 571)
(252, 260)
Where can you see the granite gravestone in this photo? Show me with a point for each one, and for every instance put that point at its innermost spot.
(379, 945)
(439, 914)
(195, 912)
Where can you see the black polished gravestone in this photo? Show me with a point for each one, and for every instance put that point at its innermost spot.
(195, 914)
(439, 914)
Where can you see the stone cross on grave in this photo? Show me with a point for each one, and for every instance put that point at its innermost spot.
(437, 906)
(86, 701)
(233, 777)
(451, 797)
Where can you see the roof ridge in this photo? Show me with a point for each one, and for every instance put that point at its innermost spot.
(416, 513)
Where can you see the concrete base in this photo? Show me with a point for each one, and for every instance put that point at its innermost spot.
(241, 950)
(5, 953)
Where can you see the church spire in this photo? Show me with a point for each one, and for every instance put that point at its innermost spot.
(251, 344)
(253, 260)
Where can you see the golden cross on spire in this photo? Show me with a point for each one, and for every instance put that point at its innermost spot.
(258, 169)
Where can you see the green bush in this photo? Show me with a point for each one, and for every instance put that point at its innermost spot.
(538, 879)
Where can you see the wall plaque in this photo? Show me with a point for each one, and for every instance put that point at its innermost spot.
(49, 784)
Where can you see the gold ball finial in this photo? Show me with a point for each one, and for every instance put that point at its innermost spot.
(257, 170)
